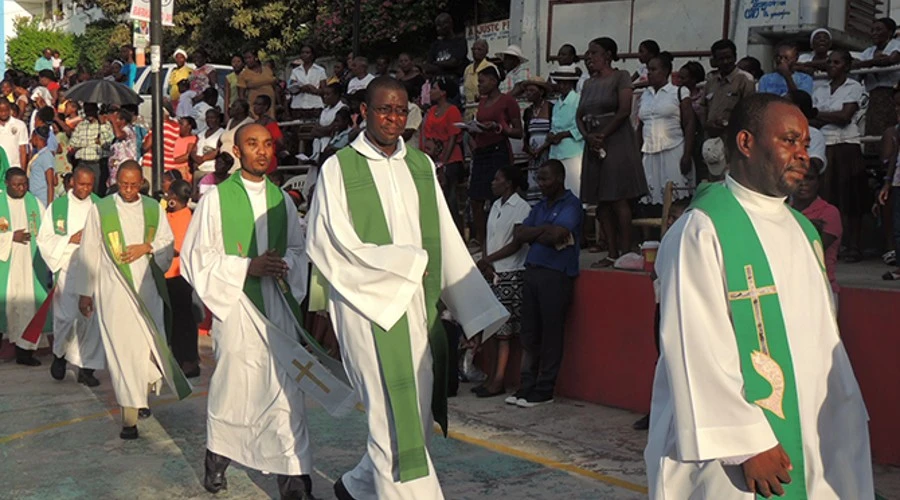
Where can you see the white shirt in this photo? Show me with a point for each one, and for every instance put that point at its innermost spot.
(300, 77)
(660, 112)
(326, 118)
(199, 114)
(185, 104)
(13, 133)
(817, 146)
(357, 83)
(887, 79)
(824, 100)
(206, 144)
(500, 226)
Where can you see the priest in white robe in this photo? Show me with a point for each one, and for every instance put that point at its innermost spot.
(381, 284)
(255, 414)
(709, 439)
(114, 263)
(76, 339)
(24, 277)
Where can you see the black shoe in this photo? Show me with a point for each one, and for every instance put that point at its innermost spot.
(295, 487)
(87, 378)
(129, 432)
(58, 368)
(484, 392)
(340, 491)
(214, 478)
(26, 357)
(643, 424)
(144, 413)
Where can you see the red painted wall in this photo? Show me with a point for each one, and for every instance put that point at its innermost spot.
(610, 354)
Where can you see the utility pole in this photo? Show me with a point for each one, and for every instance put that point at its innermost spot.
(156, 82)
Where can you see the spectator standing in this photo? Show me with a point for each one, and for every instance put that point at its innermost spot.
(470, 75)
(13, 136)
(536, 122)
(844, 184)
(183, 146)
(223, 164)
(567, 56)
(204, 74)
(890, 191)
(207, 147)
(128, 73)
(752, 66)
(231, 83)
(503, 266)
(566, 141)
(553, 232)
(440, 139)
(360, 80)
(499, 119)
(338, 72)
(383, 67)
(515, 70)
(91, 140)
(827, 221)
(322, 133)
(818, 157)
(40, 98)
(261, 107)
(690, 76)
(171, 133)
(884, 52)
(41, 173)
(448, 53)
(180, 72)
(306, 85)
(207, 102)
(667, 129)
(817, 60)
(648, 49)
(185, 106)
(410, 76)
(48, 79)
(786, 76)
(44, 61)
(58, 69)
(612, 175)
(184, 325)
(255, 80)
(240, 115)
(124, 146)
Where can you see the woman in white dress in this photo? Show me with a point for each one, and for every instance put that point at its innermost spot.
(667, 133)
(207, 147)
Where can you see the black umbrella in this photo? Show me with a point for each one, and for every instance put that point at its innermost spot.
(103, 92)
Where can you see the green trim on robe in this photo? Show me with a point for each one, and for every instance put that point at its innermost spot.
(114, 242)
(41, 272)
(60, 213)
(393, 346)
(756, 314)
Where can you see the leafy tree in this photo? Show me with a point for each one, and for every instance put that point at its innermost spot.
(101, 39)
(30, 41)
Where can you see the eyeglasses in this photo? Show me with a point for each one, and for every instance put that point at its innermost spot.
(390, 110)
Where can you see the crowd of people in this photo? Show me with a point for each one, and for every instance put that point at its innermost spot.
(595, 141)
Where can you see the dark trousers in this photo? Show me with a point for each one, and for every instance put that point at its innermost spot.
(453, 332)
(546, 298)
(453, 173)
(184, 326)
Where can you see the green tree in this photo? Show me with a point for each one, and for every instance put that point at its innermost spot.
(101, 39)
(30, 41)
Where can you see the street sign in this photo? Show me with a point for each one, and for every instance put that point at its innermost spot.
(140, 11)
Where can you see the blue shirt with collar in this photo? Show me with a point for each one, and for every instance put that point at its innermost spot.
(774, 83)
(565, 212)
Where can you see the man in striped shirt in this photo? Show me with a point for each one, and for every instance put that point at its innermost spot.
(171, 132)
(91, 140)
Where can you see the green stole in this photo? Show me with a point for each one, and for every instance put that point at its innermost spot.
(114, 239)
(239, 233)
(60, 213)
(41, 273)
(393, 346)
(758, 321)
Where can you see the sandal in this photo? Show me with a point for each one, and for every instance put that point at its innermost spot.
(603, 263)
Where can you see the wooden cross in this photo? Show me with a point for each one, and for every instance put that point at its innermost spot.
(306, 371)
(753, 294)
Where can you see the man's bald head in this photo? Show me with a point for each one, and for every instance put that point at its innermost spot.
(83, 182)
(255, 149)
(130, 165)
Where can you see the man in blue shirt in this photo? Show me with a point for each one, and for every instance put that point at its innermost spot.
(41, 173)
(553, 231)
(44, 62)
(785, 79)
(128, 73)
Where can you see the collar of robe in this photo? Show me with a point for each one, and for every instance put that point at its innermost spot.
(753, 200)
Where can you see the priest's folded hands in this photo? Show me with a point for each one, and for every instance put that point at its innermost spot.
(135, 252)
(268, 264)
(22, 236)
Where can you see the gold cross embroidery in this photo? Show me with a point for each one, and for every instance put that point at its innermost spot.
(753, 294)
(33, 223)
(306, 371)
(763, 363)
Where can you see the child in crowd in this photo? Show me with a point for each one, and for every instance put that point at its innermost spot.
(184, 322)
(827, 220)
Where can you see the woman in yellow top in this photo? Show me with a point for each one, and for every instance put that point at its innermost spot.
(181, 71)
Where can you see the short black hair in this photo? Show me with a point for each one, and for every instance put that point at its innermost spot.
(383, 82)
(696, 71)
(651, 46)
(449, 84)
(888, 23)
(191, 120)
(47, 73)
(556, 167)
(125, 115)
(133, 165)
(344, 114)
(173, 175)
(749, 115)
(514, 175)
(15, 172)
(722, 45)
(572, 48)
(803, 101)
(267, 101)
(182, 190)
(609, 45)
(786, 44)
(82, 169)
(755, 67)
(46, 114)
(664, 58)
(845, 55)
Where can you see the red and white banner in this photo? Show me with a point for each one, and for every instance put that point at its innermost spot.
(140, 11)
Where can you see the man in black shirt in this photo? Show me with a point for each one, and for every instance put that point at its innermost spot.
(449, 52)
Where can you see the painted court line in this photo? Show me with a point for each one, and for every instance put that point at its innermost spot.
(495, 447)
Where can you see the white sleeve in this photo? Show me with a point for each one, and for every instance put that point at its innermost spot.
(163, 243)
(55, 249)
(378, 280)
(713, 420)
(295, 253)
(87, 265)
